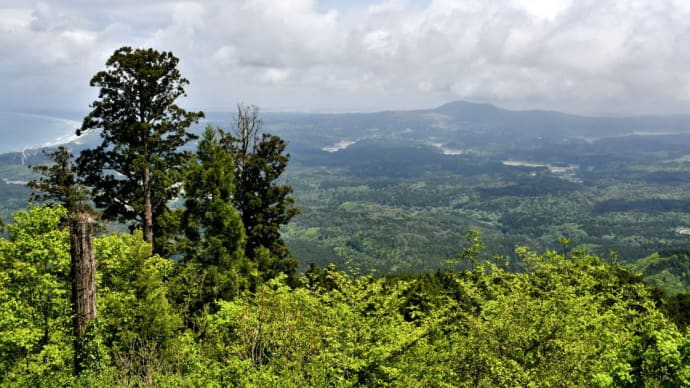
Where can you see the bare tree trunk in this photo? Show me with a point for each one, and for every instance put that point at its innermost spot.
(148, 209)
(83, 266)
(248, 127)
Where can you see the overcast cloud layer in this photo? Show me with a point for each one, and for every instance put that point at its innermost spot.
(583, 56)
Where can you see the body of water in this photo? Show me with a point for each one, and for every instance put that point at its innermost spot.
(20, 131)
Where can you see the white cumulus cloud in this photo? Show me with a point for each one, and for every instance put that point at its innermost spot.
(585, 56)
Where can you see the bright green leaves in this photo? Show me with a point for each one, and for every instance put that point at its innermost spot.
(563, 322)
(137, 320)
(350, 335)
(572, 322)
(34, 295)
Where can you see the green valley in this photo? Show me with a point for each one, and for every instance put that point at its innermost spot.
(381, 192)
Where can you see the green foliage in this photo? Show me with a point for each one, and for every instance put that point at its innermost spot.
(668, 269)
(35, 323)
(134, 171)
(214, 235)
(138, 322)
(565, 318)
(58, 182)
(562, 322)
(572, 323)
(396, 207)
(264, 204)
(575, 322)
(350, 335)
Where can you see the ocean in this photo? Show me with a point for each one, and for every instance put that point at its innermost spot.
(20, 131)
(24, 131)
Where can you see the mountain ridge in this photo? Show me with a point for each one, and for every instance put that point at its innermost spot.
(457, 122)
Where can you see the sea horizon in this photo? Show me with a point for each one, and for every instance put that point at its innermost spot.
(21, 131)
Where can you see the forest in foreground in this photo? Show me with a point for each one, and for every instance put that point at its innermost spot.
(566, 321)
(203, 290)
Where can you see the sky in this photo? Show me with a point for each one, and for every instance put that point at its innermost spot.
(593, 57)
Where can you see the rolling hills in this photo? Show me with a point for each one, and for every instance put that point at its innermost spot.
(396, 191)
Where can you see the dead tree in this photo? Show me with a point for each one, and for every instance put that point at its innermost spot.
(59, 185)
(83, 268)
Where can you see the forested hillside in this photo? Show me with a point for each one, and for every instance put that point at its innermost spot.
(374, 189)
(379, 202)
(160, 256)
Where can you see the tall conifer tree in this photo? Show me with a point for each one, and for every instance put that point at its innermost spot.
(262, 201)
(138, 166)
(214, 235)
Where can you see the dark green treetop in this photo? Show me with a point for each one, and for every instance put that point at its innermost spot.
(138, 166)
(214, 235)
(59, 183)
(263, 203)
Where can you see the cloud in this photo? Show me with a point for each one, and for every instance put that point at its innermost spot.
(585, 56)
(275, 76)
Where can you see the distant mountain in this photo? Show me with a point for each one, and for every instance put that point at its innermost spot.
(457, 125)
(550, 123)
(462, 125)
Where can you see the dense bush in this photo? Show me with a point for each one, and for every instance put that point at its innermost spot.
(574, 321)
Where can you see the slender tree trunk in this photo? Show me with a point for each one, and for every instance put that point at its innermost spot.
(83, 266)
(148, 209)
